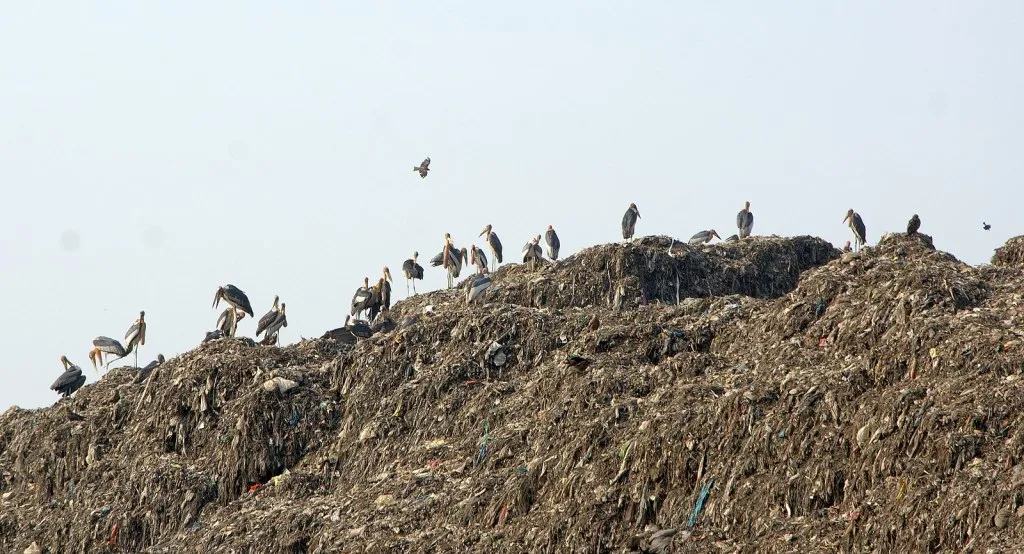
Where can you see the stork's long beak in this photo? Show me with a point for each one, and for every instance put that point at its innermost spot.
(637, 212)
(846, 218)
(93, 354)
(216, 297)
(482, 232)
(717, 235)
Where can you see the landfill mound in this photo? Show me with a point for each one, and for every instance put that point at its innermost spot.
(659, 269)
(1010, 254)
(867, 402)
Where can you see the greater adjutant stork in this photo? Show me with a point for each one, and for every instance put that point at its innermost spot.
(273, 330)
(532, 252)
(476, 287)
(227, 323)
(267, 318)
(704, 237)
(105, 345)
(857, 226)
(136, 336)
(551, 238)
(413, 270)
(423, 168)
(495, 244)
(478, 258)
(69, 381)
(629, 221)
(362, 299)
(234, 297)
(451, 258)
(144, 372)
(745, 221)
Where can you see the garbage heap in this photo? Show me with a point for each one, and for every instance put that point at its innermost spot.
(790, 398)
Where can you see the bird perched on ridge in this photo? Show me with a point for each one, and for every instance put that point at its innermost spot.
(143, 373)
(413, 270)
(476, 288)
(69, 381)
(857, 226)
(227, 323)
(532, 252)
(451, 258)
(495, 243)
(234, 297)
(629, 221)
(267, 318)
(478, 258)
(362, 299)
(732, 238)
(136, 336)
(745, 221)
(423, 168)
(551, 238)
(913, 225)
(704, 237)
(105, 345)
(272, 332)
(358, 328)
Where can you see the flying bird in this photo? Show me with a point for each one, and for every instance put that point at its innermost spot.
(234, 297)
(267, 318)
(629, 222)
(745, 220)
(413, 271)
(857, 226)
(495, 244)
(69, 381)
(423, 168)
(136, 336)
(105, 345)
(913, 225)
(985, 226)
(551, 238)
(704, 237)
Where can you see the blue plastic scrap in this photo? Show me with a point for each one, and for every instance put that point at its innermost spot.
(700, 502)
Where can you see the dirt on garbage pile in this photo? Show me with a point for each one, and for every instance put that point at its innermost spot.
(874, 405)
(1010, 254)
(147, 458)
(646, 272)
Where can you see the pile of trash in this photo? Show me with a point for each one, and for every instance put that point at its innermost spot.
(788, 398)
(1010, 254)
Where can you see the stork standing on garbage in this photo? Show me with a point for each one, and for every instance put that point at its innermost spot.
(857, 226)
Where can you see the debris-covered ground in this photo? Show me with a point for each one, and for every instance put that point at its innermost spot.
(773, 395)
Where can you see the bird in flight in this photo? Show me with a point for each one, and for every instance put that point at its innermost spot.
(985, 226)
(423, 168)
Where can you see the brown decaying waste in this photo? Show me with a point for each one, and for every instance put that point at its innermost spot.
(875, 405)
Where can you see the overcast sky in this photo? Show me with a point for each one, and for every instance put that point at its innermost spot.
(150, 152)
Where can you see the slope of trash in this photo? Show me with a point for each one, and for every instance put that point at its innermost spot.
(791, 398)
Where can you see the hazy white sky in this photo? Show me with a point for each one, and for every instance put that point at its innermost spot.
(150, 152)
